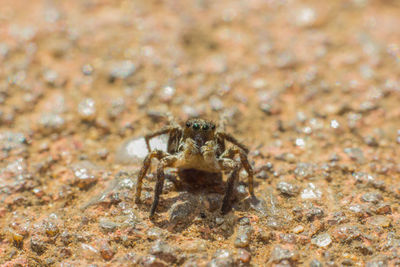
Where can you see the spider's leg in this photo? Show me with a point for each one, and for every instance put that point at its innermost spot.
(159, 154)
(172, 120)
(229, 164)
(174, 139)
(223, 121)
(233, 140)
(149, 136)
(230, 153)
(165, 162)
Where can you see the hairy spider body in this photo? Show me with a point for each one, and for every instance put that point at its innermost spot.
(197, 148)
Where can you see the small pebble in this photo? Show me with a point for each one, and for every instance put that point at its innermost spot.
(372, 197)
(287, 189)
(154, 233)
(51, 228)
(279, 254)
(219, 220)
(107, 226)
(383, 208)
(243, 255)
(379, 220)
(311, 192)
(216, 103)
(164, 252)
(298, 229)
(304, 170)
(314, 212)
(86, 174)
(315, 263)
(87, 109)
(346, 233)
(151, 261)
(167, 93)
(376, 263)
(38, 245)
(51, 122)
(355, 154)
(243, 236)
(322, 240)
(305, 17)
(106, 252)
(121, 70)
(222, 258)
(183, 212)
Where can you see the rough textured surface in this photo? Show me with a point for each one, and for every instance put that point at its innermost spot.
(312, 87)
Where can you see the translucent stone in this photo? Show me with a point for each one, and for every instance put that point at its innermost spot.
(122, 69)
(135, 150)
(87, 108)
(322, 240)
(311, 192)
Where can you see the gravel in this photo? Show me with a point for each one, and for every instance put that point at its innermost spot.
(82, 84)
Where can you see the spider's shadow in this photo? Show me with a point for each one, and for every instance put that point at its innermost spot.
(203, 194)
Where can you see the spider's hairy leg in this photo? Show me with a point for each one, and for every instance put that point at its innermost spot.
(164, 163)
(233, 140)
(174, 139)
(230, 153)
(234, 167)
(159, 154)
(223, 121)
(149, 136)
(172, 120)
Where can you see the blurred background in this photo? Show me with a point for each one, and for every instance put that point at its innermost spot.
(311, 87)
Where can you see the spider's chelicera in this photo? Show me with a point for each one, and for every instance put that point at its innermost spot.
(197, 146)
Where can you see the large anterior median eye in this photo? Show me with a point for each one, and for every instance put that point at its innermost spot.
(205, 127)
(196, 126)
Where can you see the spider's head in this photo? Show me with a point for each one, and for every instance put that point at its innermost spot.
(199, 130)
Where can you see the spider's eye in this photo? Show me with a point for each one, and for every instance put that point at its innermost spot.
(205, 127)
(188, 124)
(213, 126)
(196, 126)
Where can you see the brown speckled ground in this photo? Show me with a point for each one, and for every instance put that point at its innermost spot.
(312, 87)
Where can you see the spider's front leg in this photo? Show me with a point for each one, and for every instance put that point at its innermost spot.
(159, 154)
(167, 130)
(230, 138)
(233, 167)
(230, 153)
(164, 163)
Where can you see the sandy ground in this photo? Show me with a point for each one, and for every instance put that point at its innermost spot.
(311, 87)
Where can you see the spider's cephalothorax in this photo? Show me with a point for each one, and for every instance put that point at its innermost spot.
(197, 147)
(200, 131)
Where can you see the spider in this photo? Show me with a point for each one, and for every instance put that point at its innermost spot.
(198, 147)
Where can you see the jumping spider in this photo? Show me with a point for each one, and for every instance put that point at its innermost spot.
(198, 146)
